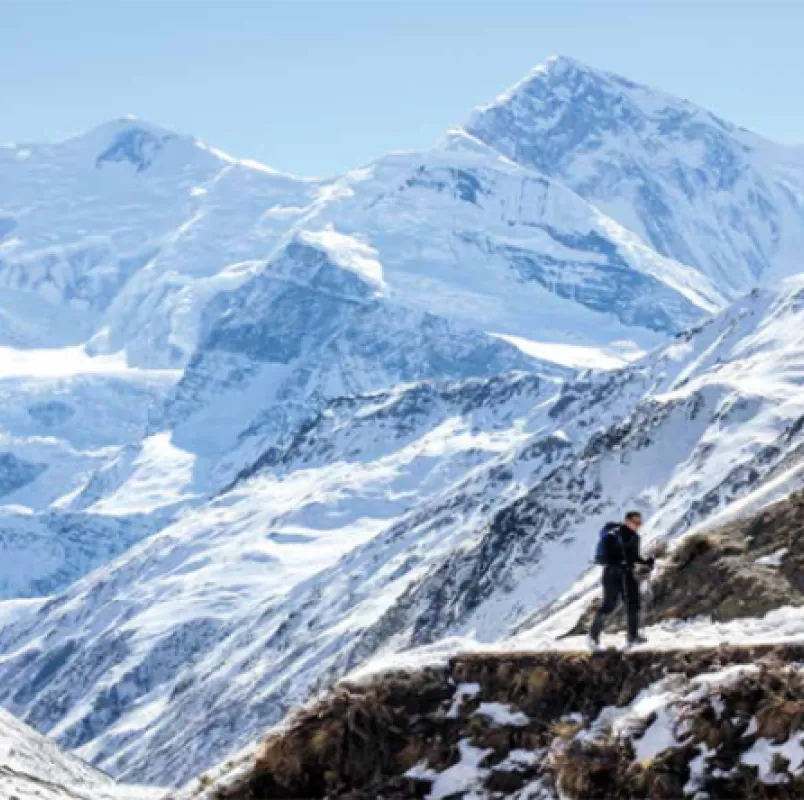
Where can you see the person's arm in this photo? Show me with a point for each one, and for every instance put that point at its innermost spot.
(637, 556)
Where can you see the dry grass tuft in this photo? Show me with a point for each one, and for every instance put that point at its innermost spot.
(590, 769)
(566, 729)
(344, 741)
(694, 546)
(779, 717)
(529, 686)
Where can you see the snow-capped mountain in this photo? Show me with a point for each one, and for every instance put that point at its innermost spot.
(169, 312)
(129, 231)
(31, 767)
(256, 428)
(121, 234)
(697, 188)
(398, 519)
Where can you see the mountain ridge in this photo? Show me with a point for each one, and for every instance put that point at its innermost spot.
(500, 527)
(314, 423)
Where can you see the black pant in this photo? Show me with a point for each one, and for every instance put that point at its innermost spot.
(618, 582)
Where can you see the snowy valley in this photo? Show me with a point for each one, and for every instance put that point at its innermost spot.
(259, 432)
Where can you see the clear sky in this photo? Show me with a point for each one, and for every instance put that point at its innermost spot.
(316, 87)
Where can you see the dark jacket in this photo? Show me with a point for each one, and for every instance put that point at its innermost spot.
(621, 548)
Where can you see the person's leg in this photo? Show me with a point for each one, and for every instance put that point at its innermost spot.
(631, 591)
(612, 589)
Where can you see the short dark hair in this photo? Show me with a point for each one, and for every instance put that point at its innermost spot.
(632, 515)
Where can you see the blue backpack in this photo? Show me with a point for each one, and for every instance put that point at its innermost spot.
(609, 529)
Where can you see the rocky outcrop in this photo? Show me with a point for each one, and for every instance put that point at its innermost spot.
(544, 725)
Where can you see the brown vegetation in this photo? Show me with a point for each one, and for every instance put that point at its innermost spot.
(360, 742)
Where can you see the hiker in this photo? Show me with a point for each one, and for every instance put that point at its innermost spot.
(618, 553)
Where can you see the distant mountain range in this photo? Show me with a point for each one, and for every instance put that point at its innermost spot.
(256, 429)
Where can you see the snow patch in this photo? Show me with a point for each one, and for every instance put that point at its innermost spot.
(774, 559)
(763, 751)
(463, 692)
(463, 776)
(502, 715)
(576, 356)
(349, 253)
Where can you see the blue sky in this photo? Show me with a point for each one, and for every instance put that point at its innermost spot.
(318, 87)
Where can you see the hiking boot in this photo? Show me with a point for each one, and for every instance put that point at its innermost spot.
(636, 641)
(593, 642)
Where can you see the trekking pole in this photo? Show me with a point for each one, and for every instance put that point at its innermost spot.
(650, 597)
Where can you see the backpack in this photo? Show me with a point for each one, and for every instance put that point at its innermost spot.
(609, 529)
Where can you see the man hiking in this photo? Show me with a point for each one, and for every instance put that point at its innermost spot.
(618, 553)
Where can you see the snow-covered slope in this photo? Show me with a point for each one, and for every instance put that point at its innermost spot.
(125, 233)
(122, 233)
(167, 313)
(499, 242)
(697, 188)
(353, 473)
(110, 245)
(396, 520)
(294, 424)
(31, 766)
(709, 704)
(376, 288)
(64, 418)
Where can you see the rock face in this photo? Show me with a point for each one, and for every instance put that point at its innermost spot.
(309, 330)
(16, 473)
(257, 429)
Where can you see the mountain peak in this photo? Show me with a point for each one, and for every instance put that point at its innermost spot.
(107, 132)
(608, 138)
(560, 63)
(565, 103)
(565, 78)
(131, 142)
(598, 96)
(134, 142)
